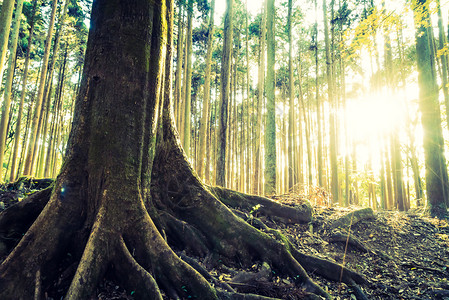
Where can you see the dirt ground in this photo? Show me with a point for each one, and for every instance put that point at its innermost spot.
(403, 255)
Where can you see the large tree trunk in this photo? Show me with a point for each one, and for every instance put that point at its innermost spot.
(436, 172)
(127, 197)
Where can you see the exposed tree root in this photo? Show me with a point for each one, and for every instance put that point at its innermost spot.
(199, 224)
(188, 217)
(16, 220)
(353, 217)
(283, 213)
(123, 203)
(356, 243)
(43, 245)
(134, 277)
(316, 265)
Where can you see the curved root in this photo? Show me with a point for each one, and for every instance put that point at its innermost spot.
(278, 211)
(172, 273)
(93, 263)
(17, 219)
(134, 278)
(41, 247)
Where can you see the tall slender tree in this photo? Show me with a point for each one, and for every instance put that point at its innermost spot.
(5, 26)
(222, 137)
(179, 62)
(47, 95)
(18, 126)
(204, 125)
(30, 157)
(257, 188)
(188, 82)
(270, 129)
(332, 105)
(8, 86)
(291, 95)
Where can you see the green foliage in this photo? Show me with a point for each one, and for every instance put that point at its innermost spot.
(254, 209)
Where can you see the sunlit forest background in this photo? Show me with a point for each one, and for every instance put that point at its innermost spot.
(347, 106)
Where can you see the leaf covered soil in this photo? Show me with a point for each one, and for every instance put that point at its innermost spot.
(402, 255)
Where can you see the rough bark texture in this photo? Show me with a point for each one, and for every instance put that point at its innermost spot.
(127, 199)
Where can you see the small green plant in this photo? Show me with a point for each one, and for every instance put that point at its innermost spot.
(254, 209)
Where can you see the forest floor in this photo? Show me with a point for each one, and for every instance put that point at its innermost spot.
(402, 255)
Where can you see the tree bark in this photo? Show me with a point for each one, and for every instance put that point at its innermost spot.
(270, 129)
(188, 95)
(47, 94)
(204, 125)
(291, 95)
(257, 186)
(18, 127)
(333, 106)
(179, 59)
(5, 22)
(126, 196)
(436, 182)
(28, 169)
(224, 95)
(8, 85)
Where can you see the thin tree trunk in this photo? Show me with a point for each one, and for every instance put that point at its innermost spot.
(291, 115)
(332, 105)
(56, 107)
(302, 108)
(204, 124)
(27, 125)
(318, 103)
(183, 92)
(47, 95)
(37, 113)
(188, 95)
(12, 176)
(179, 59)
(8, 85)
(257, 186)
(5, 27)
(247, 120)
(270, 130)
(224, 95)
